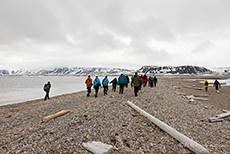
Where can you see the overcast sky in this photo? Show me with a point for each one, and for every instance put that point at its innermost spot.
(36, 34)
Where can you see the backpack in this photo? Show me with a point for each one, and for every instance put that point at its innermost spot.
(145, 77)
(46, 87)
(206, 83)
(104, 83)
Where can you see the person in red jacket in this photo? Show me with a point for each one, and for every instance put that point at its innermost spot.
(89, 84)
(145, 79)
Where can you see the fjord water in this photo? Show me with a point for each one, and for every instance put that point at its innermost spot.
(15, 89)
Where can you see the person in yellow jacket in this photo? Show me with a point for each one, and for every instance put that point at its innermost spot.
(89, 84)
(206, 83)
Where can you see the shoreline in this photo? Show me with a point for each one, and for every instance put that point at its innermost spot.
(4, 109)
(111, 120)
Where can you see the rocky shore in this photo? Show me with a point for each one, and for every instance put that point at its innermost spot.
(109, 119)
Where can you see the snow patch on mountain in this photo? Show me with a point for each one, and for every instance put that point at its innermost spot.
(74, 71)
(174, 70)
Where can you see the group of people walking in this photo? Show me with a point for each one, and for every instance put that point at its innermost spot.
(122, 81)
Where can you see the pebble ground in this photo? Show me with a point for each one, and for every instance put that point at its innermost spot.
(109, 119)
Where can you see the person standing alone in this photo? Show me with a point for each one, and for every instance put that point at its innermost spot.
(46, 88)
(89, 84)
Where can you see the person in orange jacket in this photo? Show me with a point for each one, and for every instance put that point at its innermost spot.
(206, 83)
(89, 84)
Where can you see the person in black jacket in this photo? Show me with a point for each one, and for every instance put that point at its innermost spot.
(114, 84)
(46, 88)
(155, 81)
(216, 85)
(127, 79)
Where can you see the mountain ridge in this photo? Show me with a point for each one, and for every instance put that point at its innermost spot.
(148, 69)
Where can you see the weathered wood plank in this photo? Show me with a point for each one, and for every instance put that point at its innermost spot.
(187, 142)
(45, 119)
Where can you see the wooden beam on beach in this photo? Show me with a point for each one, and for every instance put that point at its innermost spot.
(187, 142)
(197, 98)
(45, 119)
(196, 88)
(219, 117)
(179, 93)
(200, 95)
(98, 147)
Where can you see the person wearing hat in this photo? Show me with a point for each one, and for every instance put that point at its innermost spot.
(89, 84)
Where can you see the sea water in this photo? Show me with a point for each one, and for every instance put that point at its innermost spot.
(15, 89)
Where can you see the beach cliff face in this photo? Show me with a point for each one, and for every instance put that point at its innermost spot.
(109, 119)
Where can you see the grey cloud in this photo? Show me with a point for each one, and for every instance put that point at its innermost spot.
(204, 47)
(75, 32)
(100, 41)
(27, 19)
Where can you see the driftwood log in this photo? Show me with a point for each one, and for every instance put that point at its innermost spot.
(219, 117)
(191, 87)
(197, 98)
(45, 119)
(200, 95)
(187, 142)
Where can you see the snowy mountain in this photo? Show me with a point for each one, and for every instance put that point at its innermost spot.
(174, 70)
(4, 72)
(159, 70)
(75, 71)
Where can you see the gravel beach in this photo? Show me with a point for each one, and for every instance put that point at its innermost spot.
(109, 119)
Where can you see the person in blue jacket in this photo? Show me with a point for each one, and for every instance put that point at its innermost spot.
(122, 82)
(151, 81)
(96, 85)
(105, 83)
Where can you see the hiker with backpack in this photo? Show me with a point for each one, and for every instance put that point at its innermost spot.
(89, 84)
(114, 84)
(105, 83)
(46, 88)
(145, 80)
(206, 83)
(122, 82)
(96, 85)
(136, 81)
(216, 85)
(151, 81)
